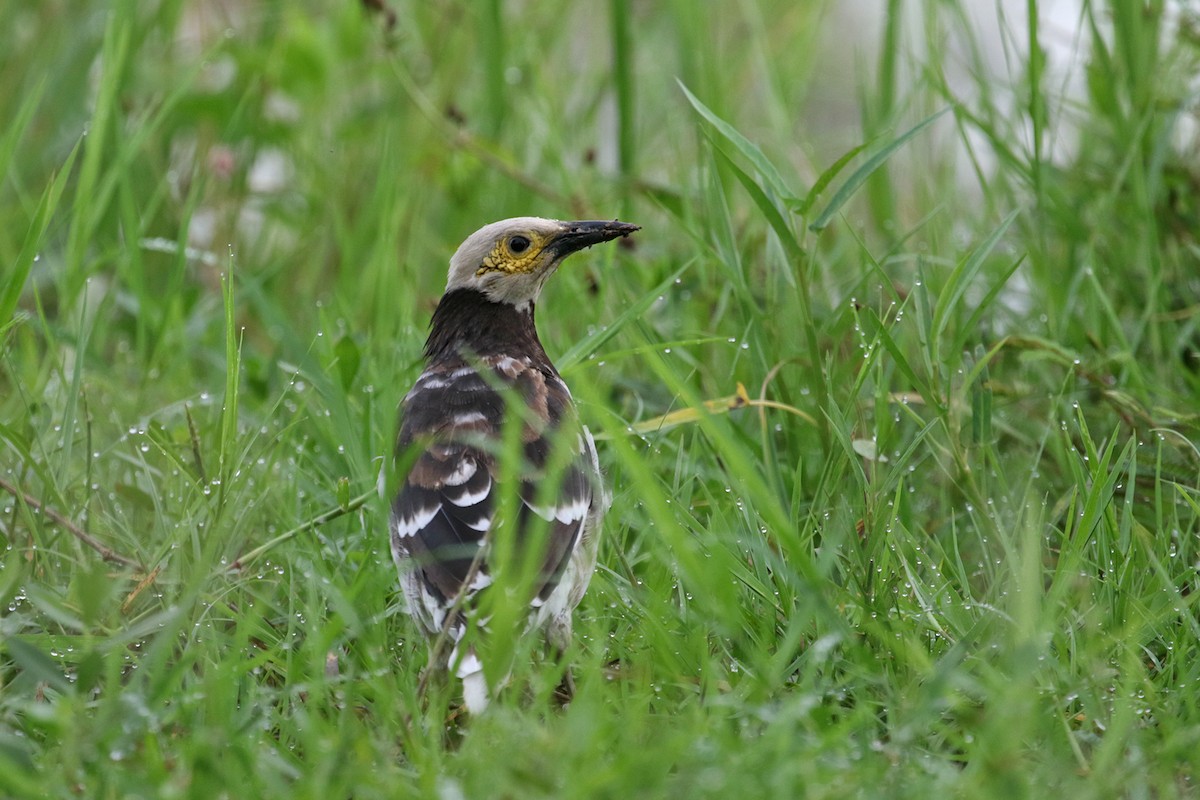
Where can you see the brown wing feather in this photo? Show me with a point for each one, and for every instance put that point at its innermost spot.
(443, 511)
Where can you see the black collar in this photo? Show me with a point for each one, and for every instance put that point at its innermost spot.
(466, 323)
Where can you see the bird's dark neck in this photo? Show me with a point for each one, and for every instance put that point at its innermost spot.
(467, 324)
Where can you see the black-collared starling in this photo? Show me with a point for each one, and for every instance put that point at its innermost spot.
(483, 352)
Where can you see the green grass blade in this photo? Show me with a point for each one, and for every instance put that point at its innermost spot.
(743, 145)
(826, 178)
(11, 138)
(784, 232)
(233, 364)
(34, 238)
(860, 175)
(593, 343)
(960, 280)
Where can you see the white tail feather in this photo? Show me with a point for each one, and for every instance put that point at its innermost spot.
(475, 692)
(475, 688)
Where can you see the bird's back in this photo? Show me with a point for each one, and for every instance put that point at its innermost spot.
(446, 509)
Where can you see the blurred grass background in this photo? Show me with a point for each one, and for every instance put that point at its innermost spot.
(951, 548)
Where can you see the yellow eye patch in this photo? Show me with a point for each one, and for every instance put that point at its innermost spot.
(516, 253)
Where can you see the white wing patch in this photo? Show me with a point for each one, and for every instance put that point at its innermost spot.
(565, 513)
(430, 381)
(468, 498)
(407, 526)
(462, 473)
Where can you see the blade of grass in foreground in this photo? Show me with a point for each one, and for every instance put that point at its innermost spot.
(229, 408)
(591, 344)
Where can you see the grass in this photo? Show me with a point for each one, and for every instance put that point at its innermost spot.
(949, 547)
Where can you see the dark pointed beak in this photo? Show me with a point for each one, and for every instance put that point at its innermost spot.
(577, 235)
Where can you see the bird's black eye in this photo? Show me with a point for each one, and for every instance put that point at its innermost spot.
(518, 244)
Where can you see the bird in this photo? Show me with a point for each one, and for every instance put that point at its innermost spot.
(485, 368)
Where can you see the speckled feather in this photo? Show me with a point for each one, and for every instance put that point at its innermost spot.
(444, 509)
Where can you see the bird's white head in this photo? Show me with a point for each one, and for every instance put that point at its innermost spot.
(510, 260)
